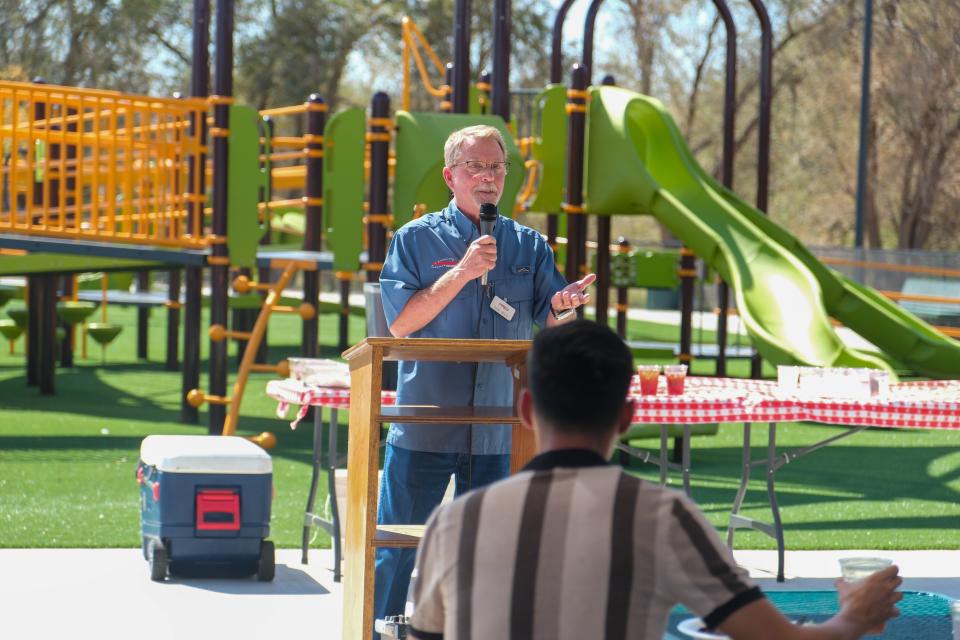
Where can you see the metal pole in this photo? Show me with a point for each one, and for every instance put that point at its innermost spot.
(726, 167)
(622, 293)
(379, 175)
(483, 91)
(556, 77)
(602, 287)
(316, 120)
(219, 270)
(193, 276)
(863, 154)
(576, 125)
(446, 105)
(461, 57)
(763, 146)
(589, 24)
(500, 95)
(556, 46)
(142, 285)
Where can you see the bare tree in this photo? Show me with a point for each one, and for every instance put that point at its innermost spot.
(918, 65)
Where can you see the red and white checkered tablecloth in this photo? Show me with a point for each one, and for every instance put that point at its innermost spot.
(289, 391)
(920, 405)
(925, 405)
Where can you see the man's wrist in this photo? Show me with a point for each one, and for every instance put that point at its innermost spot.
(563, 314)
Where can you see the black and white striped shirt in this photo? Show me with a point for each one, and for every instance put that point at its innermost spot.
(570, 547)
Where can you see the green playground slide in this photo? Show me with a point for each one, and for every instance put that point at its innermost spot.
(637, 162)
(903, 337)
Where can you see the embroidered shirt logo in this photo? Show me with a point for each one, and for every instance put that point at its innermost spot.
(444, 264)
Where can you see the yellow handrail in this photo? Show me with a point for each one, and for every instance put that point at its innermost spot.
(100, 165)
(411, 37)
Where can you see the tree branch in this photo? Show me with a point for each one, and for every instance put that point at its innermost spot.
(169, 46)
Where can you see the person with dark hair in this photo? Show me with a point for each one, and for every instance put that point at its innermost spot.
(433, 285)
(572, 547)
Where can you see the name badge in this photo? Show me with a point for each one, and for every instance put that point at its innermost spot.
(500, 305)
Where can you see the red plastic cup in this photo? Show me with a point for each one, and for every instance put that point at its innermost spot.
(649, 378)
(676, 375)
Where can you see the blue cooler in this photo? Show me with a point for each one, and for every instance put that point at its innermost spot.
(205, 506)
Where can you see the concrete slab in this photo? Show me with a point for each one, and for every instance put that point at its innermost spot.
(108, 594)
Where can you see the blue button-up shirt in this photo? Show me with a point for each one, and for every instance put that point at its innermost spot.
(525, 277)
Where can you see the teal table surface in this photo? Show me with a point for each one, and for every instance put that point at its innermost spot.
(923, 616)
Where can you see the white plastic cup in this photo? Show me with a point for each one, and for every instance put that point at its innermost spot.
(853, 569)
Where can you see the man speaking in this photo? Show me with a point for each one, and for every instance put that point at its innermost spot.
(443, 278)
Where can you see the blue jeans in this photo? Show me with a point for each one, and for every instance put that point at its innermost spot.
(413, 485)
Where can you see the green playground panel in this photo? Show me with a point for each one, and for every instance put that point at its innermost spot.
(419, 147)
(550, 148)
(248, 183)
(343, 186)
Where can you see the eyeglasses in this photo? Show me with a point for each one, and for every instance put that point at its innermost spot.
(476, 167)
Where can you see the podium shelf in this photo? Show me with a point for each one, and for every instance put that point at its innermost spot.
(398, 536)
(431, 414)
(510, 352)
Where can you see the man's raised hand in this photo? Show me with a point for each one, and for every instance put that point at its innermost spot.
(572, 295)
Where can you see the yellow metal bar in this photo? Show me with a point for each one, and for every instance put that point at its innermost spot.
(411, 36)
(250, 353)
(284, 111)
(295, 142)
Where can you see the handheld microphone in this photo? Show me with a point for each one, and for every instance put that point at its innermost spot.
(488, 220)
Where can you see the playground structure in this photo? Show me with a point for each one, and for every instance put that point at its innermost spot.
(98, 180)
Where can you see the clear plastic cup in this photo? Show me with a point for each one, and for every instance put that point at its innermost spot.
(955, 616)
(649, 378)
(676, 374)
(853, 569)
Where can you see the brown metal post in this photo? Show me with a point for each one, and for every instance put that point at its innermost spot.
(193, 276)
(171, 362)
(379, 174)
(602, 286)
(313, 206)
(461, 56)
(483, 91)
(573, 207)
(142, 285)
(624, 249)
(556, 77)
(66, 345)
(726, 171)
(446, 105)
(345, 278)
(220, 260)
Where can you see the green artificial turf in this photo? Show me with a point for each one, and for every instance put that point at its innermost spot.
(67, 462)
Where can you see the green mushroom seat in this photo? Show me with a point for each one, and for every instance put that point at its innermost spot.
(75, 311)
(7, 293)
(19, 316)
(103, 333)
(10, 329)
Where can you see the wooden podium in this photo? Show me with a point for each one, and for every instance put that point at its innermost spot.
(366, 416)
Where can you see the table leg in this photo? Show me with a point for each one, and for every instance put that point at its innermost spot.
(332, 492)
(314, 478)
(663, 455)
(772, 497)
(742, 489)
(685, 458)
